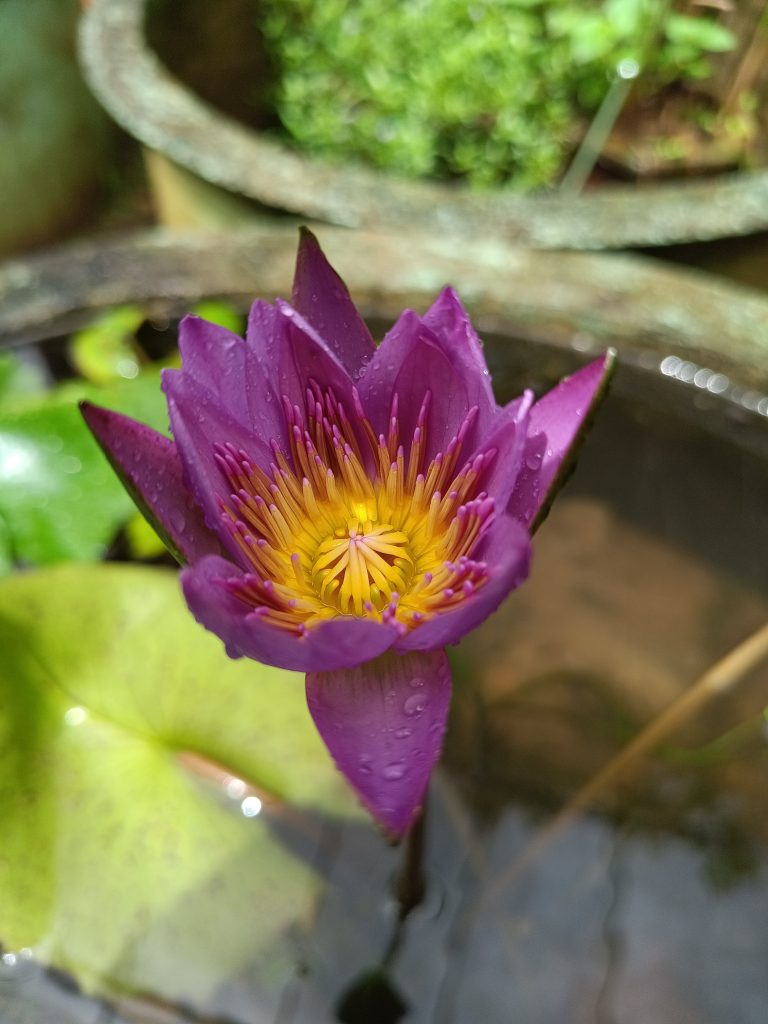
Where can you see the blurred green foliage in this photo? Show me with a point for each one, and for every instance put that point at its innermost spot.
(59, 498)
(106, 350)
(492, 91)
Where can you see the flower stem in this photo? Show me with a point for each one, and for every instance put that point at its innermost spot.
(411, 885)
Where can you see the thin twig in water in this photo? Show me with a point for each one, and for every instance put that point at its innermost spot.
(717, 680)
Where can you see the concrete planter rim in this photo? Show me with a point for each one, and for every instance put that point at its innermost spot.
(582, 302)
(131, 82)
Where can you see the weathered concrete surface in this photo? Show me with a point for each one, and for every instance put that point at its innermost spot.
(158, 110)
(587, 300)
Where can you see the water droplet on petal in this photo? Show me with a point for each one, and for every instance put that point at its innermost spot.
(394, 771)
(533, 462)
(416, 682)
(403, 733)
(364, 764)
(415, 704)
(178, 522)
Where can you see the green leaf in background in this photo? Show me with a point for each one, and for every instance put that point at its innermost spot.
(115, 861)
(222, 313)
(106, 349)
(143, 542)
(20, 376)
(59, 499)
(6, 554)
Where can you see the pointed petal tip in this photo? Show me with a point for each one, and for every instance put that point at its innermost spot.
(558, 424)
(307, 237)
(320, 295)
(383, 723)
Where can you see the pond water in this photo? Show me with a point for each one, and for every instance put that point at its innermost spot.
(649, 908)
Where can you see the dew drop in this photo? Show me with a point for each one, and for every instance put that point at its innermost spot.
(234, 788)
(403, 733)
(251, 807)
(533, 462)
(178, 522)
(415, 704)
(394, 771)
(75, 716)
(416, 682)
(364, 764)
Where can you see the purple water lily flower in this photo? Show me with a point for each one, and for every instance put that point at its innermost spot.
(347, 510)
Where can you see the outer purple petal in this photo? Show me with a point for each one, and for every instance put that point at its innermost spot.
(556, 424)
(333, 645)
(409, 361)
(198, 422)
(450, 323)
(508, 552)
(509, 438)
(321, 297)
(234, 373)
(148, 466)
(383, 723)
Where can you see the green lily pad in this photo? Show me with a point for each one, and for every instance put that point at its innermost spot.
(59, 499)
(117, 862)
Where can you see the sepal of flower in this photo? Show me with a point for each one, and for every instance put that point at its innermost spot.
(348, 510)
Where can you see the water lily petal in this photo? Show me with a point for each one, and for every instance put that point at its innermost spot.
(507, 550)
(335, 644)
(321, 297)
(509, 438)
(450, 323)
(149, 467)
(308, 357)
(557, 423)
(383, 723)
(233, 371)
(409, 361)
(198, 422)
(261, 333)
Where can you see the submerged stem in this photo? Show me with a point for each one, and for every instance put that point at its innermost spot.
(410, 884)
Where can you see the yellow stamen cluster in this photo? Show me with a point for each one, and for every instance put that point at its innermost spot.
(347, 523)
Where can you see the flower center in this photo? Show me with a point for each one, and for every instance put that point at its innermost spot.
(359, 567)
(346, 524)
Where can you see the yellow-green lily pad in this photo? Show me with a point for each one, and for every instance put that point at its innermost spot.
(116, 861)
